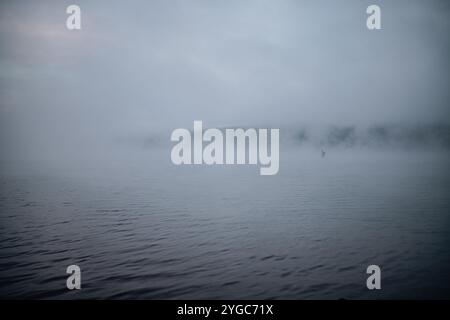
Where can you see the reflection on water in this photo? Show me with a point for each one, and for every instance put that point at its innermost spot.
(159, 231)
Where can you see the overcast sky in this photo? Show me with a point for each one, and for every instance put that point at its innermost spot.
(142, 66)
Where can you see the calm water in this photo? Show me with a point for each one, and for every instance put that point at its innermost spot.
(152, 230)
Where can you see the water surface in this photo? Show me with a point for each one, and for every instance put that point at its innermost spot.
(152, 230)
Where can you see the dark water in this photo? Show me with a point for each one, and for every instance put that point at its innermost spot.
(152, 231)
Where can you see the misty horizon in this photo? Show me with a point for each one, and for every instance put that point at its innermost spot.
(142, 69)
